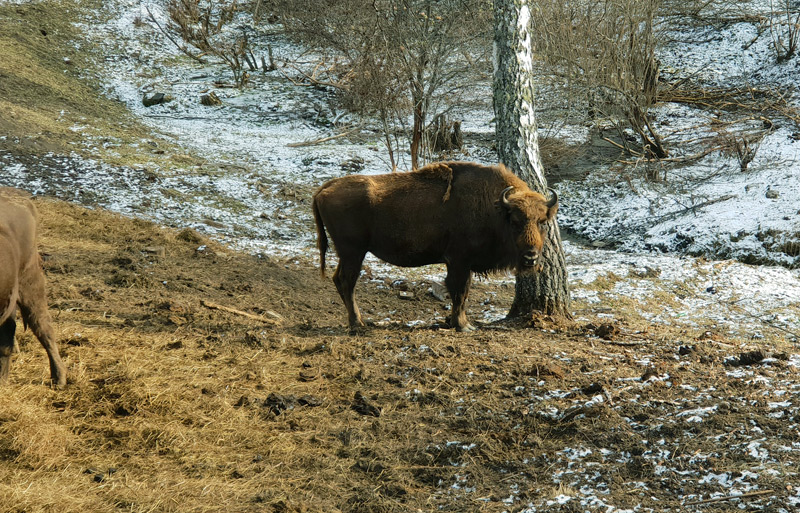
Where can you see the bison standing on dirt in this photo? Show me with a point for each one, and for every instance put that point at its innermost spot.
(471, 217)
(22, 283)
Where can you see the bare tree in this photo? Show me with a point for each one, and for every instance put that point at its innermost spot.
(393, 58)
(206, 25)
(518, 147)
(603, 51)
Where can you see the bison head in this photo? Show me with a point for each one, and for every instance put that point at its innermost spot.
(527, 211)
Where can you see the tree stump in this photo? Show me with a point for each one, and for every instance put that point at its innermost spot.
(445, 135)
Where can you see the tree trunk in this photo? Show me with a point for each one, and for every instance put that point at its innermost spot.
(417, 130)
(544, 291)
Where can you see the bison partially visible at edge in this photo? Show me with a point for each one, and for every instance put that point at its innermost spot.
(473, 218)
(22, 283)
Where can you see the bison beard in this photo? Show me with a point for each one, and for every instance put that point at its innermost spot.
(472, 218)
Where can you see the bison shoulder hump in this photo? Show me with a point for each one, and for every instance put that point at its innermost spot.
(437, 170)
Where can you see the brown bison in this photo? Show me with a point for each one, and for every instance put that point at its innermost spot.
(22, 283)
(473, 218)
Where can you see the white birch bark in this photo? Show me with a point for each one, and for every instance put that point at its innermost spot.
(545, 291)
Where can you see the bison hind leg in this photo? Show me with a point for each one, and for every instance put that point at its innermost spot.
(7, 330)
(33, 307)
(345, 278)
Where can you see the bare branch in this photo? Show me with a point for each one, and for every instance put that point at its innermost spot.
(180, 47)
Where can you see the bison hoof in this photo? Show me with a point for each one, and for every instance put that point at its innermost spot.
(357, 330)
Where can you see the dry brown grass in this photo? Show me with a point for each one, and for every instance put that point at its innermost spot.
(174, 407)
(45, 94)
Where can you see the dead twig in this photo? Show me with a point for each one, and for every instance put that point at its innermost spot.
(180, 47)
(278, 319)
(692, 208)
(730, 497)
(322, 139)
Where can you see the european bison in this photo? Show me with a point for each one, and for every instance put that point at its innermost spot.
(22, 283)
(471, 217)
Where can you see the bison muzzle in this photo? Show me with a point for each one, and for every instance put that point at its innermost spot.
(22, 283)
(472, 218)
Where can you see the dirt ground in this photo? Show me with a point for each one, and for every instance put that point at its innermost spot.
(175, 406)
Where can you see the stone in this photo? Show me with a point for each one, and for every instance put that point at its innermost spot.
(155, 99)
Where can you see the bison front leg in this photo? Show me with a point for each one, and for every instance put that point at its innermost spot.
(7, 330)
(458, 282)
(33, 307)
(345, 278)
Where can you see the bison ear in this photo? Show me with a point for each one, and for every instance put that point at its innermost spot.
(552, 205)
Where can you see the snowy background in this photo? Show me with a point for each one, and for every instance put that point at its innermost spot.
(253, 190)
(708, 208)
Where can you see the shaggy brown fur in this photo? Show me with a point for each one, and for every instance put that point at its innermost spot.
(22, 283)
(471, 217)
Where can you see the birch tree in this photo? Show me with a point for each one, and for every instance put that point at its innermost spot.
(544, 290)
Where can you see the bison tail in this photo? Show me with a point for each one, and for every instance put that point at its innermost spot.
(322, 238)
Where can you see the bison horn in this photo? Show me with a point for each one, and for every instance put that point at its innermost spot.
(504, 196)
(553, 199)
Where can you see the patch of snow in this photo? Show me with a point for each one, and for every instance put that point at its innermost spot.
(710, 206)
(698, 412)
(756, 451)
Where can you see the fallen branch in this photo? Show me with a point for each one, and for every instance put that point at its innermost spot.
(184, 118)
(589, 411)
(322, 140)
(290, 79)
(609, 356)
(621, 147)
(692, 208)
(313, 81)
(763, 320)
(624, 344)
(730, 497)
(278, 319)
(679, 160)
